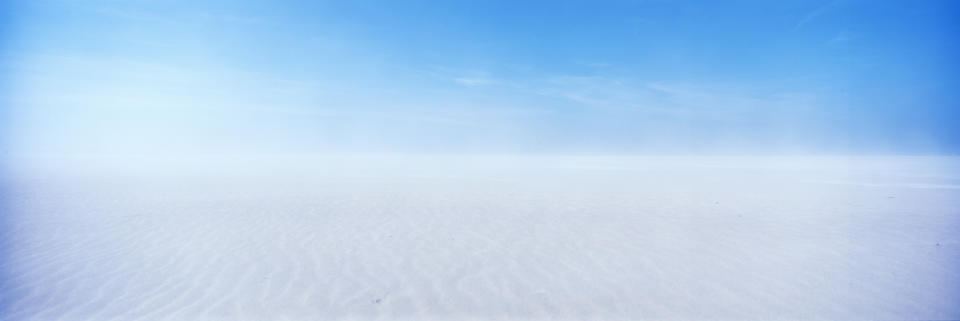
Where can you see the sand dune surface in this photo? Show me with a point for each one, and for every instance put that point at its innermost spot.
(598, 238)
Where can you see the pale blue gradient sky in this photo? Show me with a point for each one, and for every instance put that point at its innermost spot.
(164, 77)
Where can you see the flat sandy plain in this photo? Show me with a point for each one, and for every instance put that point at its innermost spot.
(494, 237)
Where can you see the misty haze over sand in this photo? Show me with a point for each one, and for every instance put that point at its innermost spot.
(482, 238)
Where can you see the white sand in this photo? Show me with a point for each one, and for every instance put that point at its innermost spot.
(481, 238)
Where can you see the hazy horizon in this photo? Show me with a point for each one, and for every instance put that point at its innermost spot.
(479, 160)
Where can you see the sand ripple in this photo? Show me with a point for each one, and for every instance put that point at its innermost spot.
(566, 243)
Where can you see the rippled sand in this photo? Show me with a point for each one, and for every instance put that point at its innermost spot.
(481, 238)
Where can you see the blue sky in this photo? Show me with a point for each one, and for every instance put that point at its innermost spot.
(483, 76)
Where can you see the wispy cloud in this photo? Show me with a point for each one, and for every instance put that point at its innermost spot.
(840, 38)
(475, 81)
(596, 64)
(814, 14)
(138, 16)
(180, 19)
